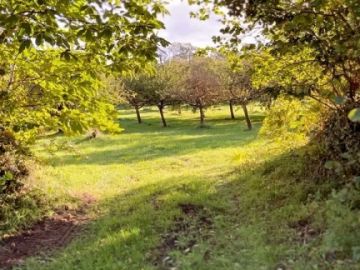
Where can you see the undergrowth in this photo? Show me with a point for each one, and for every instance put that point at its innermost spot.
(19, 204)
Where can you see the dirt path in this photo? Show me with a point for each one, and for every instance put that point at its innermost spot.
(45, 236)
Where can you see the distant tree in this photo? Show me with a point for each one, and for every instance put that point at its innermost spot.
(133, 91)
(200, 86)
(239, 89)
(236, 76)
(151, 87)
(159, 88)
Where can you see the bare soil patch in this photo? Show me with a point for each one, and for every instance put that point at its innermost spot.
(305, 232)
(189, 228)
(45, 236)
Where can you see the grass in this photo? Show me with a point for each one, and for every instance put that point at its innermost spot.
(250, 188)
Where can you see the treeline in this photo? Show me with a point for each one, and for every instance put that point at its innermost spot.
(197, 78)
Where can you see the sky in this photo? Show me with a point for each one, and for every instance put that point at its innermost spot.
(181, 28)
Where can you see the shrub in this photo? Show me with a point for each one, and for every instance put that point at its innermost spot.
(18, 205)
(12, 164)
(337, 147)
(290, 117)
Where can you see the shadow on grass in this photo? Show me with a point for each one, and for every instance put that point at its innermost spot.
(250, 212)
(184, 138)
(176, 123)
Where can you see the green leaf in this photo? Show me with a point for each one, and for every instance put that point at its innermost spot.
(89, 35)
(11, 19)
(354, 115)
(107, 33)
(39, 39)
(66, 55)
(84, 7)
(26, 27)
(81, 32)
(339, 100)
(24, 44)
(7, 176)
(49, 39)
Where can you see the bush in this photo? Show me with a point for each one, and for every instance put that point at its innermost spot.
(18, 205)
(290, 117)
(337, 147)
(333, 155)
(12, 164)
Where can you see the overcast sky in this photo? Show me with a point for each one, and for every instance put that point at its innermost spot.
(181, 28)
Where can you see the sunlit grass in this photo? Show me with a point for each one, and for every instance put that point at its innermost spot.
(145, 154)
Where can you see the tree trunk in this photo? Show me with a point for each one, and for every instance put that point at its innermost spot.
(137, 109)
(202, 115)
(179, 109)
(232, 110)
(161, 110)
(247, 118)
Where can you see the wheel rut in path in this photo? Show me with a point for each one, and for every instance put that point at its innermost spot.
(45, 236)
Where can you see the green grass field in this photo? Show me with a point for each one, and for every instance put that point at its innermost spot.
(244, 193)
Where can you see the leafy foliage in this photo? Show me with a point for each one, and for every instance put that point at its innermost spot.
(18, 205)
(354, 115)
(196, 82)
(289, 117)
(200, 84)
(310, 48)
(112, 30)
(337, 148)
(12, 164)
(41, 93)
(237, 79)
(325, 33)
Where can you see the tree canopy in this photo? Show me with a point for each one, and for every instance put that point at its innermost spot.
(113, 31)
(56, 53)
(329, 30)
